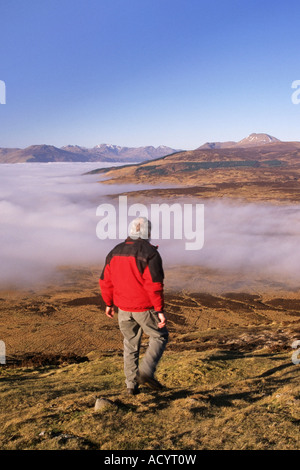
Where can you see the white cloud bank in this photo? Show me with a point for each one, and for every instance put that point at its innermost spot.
(48, 218)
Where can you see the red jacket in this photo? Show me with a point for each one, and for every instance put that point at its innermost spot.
(132, 278)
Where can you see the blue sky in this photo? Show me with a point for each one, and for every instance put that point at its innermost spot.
(147, 72)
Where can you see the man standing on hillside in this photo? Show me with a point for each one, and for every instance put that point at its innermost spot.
(132, 279)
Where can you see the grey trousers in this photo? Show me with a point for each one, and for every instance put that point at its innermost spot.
(132, 325)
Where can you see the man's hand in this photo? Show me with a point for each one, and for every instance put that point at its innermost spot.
(162, 319)
(109, 312)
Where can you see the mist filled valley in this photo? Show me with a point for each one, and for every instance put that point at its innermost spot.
(49, 219)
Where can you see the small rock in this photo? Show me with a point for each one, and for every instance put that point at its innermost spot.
(63, 438)
(102, 403)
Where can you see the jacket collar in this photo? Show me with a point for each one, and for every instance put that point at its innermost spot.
(134, 240)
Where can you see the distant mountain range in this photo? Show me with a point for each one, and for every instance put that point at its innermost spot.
(115, 153)
(75, 153)
(258, 157)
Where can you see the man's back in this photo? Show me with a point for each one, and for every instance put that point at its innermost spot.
(132, 277)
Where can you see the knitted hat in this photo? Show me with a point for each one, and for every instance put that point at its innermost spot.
(140, 228)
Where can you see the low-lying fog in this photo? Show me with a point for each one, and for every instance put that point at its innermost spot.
(49, 218)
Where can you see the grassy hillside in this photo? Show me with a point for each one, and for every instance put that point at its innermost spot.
(269, 172)
(228, 371)
(215, 399)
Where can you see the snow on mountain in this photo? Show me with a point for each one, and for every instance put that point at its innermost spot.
(99, 153)
(251, 141)
(257, 139)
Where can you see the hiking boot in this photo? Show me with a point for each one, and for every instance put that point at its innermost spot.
(150, 381)
(133, 391)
